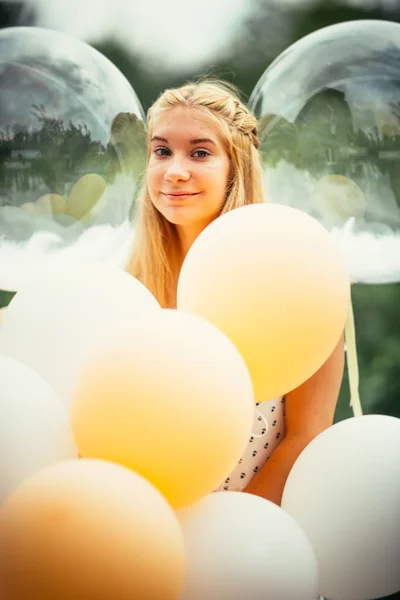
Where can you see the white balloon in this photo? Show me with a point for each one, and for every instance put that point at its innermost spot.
(344, 491)
(62, 311)
(240, 546)
(34, 426)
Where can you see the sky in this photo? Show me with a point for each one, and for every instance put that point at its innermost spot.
(178, 33)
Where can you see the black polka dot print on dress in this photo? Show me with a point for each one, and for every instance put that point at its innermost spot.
(267, 433)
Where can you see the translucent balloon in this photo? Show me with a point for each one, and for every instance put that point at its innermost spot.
(329, 114)
(71, 152)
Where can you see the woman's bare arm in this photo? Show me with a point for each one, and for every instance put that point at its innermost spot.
(310, 409)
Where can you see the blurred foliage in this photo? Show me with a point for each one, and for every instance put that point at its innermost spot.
(5, 298)
(64, 151)
(376, 314)
(16, 12)
(268, 30)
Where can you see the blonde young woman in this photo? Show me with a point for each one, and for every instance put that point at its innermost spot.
(203, 161)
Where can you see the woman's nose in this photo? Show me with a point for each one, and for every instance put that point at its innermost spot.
(177, 171)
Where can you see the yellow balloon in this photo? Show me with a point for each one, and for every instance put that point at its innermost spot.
(271, 278)
(86, 192)
(169, 397)
(338, 198)
(51, 204)
(29, 207)
(47, 204)
(91, 530)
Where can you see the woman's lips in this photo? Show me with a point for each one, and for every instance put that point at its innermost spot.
(176, 197)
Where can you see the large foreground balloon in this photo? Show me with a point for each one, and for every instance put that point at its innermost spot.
(170, 397)
(35, 429)
(52, 322)
(272, 279)
(344, 491)
(241, 546)
(89, 530)
(329, 132)
(66, 182)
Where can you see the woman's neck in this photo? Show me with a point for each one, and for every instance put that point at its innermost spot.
(186, 237)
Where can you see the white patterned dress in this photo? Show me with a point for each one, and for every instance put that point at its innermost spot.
(268, 432)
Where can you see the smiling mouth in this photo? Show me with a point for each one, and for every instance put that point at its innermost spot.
(176, 197)
(179, 194)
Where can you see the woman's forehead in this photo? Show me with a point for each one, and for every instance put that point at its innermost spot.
(186, 121)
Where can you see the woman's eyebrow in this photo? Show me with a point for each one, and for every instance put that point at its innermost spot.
(203, 141)
(157, 138)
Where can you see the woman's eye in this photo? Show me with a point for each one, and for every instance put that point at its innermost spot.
(201, 153)
(162, 152)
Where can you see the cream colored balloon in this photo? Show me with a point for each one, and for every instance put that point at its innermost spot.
(86, 192)
(35, 429)
(344, 491)
(91, 530)
(64, 309)
(168, 396)
(240, 546)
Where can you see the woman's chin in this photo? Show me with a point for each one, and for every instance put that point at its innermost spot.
(181, 216)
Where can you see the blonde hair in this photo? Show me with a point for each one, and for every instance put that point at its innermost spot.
(154, 259)
(127, 146)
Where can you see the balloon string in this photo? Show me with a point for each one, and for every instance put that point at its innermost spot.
(352, 363)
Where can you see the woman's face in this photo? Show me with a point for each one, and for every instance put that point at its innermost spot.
(188, 170)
